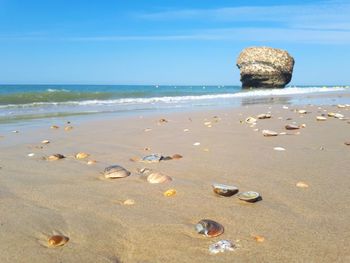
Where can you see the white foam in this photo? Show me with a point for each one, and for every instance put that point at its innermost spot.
(184, 99)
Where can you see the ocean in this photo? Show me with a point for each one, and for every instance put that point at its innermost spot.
(28, 102)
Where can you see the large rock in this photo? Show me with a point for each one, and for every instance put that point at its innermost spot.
(265, 67)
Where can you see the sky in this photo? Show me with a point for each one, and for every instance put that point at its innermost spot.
(168, 42)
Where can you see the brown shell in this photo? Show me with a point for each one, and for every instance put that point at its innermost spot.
(209, 228)
(292, 127)
(57, 240)
(176, 156)
(224, 190)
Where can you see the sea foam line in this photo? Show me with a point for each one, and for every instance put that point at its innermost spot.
(184, 99)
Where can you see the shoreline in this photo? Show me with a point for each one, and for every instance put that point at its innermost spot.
(39, 198)
(321, 99)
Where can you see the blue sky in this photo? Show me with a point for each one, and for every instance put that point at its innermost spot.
(168, 42)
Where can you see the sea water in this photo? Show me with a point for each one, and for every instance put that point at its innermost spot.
(27, 102)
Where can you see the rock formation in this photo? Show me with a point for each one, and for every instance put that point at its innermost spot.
(265, 67)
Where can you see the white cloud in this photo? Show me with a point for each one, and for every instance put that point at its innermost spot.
(322, 15)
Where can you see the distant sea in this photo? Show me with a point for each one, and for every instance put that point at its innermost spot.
(26, 102)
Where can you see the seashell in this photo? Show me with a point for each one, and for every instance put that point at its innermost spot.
(341, 106)
(221, 246)
(303, 125)
(115, 172)
(176, 156)
(224, 190)
(57, 240)
(45, 142)
(15, 131)
(91, 162)
(170, 192)
(279, 149)
(330, 114)
(268, 133)
(82, 155)
(347, 143)
(153, 158)
(207, 123)
(30, 154)
(54, 127)
(249, 196)
(302, 185)
(158, 178)
(285, 107)
(134, 159)
(55, 157)
(302, 111)
(129, 202)
(264, 116)
(338, 116)
(209, 228)
(186, 130)
(68, 128)
(161, 121)
(250, 120)
(321, 118)
(147, 129)
(196, 144)
(259, 239)
(147, 149)
(292, 127)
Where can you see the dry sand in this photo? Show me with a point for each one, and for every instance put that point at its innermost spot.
(39, 198)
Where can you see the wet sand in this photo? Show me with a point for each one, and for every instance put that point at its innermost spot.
(39, 198)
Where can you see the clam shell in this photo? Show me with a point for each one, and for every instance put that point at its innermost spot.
(347, 143)
(115, 171)
(54, 127)
(45, 142)
(249, 196)
(338, 116)
(157, 178)
(264, 116)
(82, 155)
(152, 158)
(57, 240)
(224, 190)
(209, 228)
(321, 118)
(55, 157)
(302, 111)
(176, 156)
(292, 127)
(268, 133)
(250, 120)
(302, 185)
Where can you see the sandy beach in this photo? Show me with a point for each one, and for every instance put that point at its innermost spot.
(40, 198)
